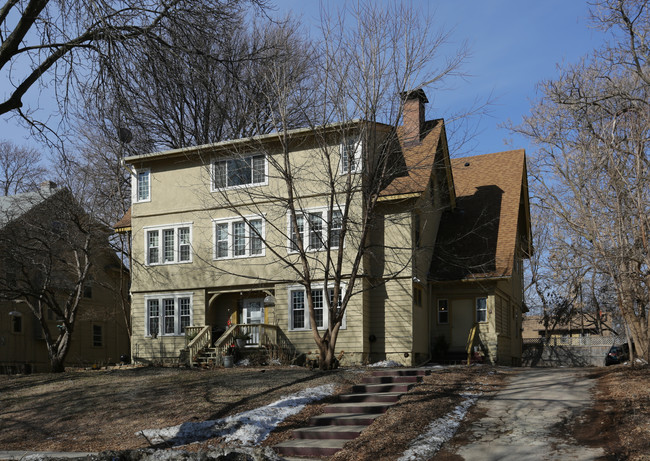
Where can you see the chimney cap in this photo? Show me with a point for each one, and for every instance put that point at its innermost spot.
(415, 94)
(47, 186)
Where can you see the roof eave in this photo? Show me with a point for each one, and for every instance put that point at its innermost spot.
(294, 133)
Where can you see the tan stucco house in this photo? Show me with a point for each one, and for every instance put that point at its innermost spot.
(212, 238)
(100, 335)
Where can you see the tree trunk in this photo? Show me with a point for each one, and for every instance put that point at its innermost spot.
(58, 351)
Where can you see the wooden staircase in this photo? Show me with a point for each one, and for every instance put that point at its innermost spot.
(345, 420)
(207, 357)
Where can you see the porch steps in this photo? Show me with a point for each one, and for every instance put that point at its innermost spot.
(207, 356)
(345, 420)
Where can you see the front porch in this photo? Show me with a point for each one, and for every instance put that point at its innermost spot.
(199, 341)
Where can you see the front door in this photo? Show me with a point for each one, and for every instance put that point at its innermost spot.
(253, 314)
(462, 321)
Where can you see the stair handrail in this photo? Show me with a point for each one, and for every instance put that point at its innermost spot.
(202, 339)
(470, 342)
(224, 342)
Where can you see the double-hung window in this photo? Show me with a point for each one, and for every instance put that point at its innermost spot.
(142, 186)
(168, 244)
(350, 155)
(316, 230)
(239, 171)
(299, 309)
(239, 237)
(168, 314)
(481, 309)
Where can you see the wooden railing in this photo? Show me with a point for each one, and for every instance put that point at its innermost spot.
(261, 335)
(470, 342)
(196, 339)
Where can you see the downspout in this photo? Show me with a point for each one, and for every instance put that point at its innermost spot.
(429, 298)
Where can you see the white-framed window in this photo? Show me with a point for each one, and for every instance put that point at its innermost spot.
(142, 186)
(168, 244)
(315, 229)
(251, 170)
(481, 310)
(443, 311)
(168, 314)
(299, 310)
(239, 237)
(351, 150)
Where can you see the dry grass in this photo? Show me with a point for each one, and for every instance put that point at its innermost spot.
(620, 419)
(103, 410)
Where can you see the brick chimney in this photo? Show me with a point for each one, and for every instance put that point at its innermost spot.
(47, 186)
(413, 113)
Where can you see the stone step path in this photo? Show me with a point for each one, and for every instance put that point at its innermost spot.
(345, 420)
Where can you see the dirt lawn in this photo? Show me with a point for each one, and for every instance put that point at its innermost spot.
(103, 410)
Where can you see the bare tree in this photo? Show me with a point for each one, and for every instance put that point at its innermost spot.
(49, 245)
(367, 57)
(592, 127)
(205, 88)
(57, 44)
(20, 168)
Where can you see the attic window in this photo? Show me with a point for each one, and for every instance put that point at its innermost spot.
(466, 163)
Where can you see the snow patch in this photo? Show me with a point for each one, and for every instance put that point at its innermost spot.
(247, 428)
(439, 431)
(385, 364)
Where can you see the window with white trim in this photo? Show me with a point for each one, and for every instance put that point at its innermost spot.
(481, 309)
(168, 315)
(168, 244)
(142, 189)
(350, 155)
(239, 237)
(239, 172)
(315, 230)
(299, 310)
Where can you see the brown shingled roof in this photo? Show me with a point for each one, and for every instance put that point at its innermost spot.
(124, 224)
(419, 161)
(478, 239)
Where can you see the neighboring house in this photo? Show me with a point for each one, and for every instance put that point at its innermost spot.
(578, 325)
(444, 253)
(99, 335)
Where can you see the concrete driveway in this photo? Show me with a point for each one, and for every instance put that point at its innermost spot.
(527, 419)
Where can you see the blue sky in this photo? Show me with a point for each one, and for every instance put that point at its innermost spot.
(514, 44)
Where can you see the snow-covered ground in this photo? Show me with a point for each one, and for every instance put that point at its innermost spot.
(252, 427)
(439, 431)
(248, 428)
